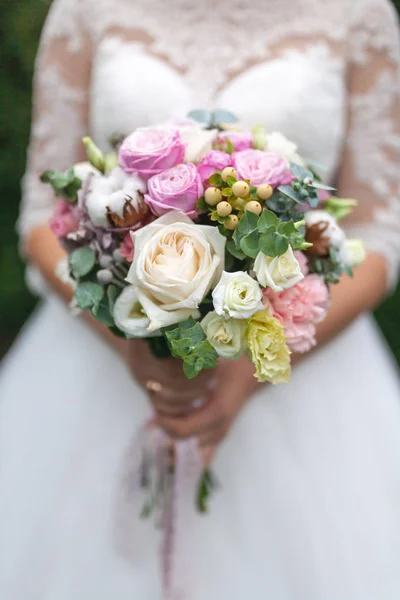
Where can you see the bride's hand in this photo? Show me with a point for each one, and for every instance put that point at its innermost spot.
(234, 384)
(171, 394)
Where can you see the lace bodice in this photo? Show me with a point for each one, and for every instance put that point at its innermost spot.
(326, 74)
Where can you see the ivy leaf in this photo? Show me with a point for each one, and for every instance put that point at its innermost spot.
(89, 295)
(288, 191)
(215, 180)
(188, 341)
(234, 251)
(201, 116)
(249, 244)
(266, 220)
(300, 172)
(82, 261)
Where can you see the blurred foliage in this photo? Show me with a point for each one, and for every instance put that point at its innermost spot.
(20, 25)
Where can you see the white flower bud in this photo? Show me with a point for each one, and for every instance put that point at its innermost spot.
(104, 276)
(237, 295)
(105, 261)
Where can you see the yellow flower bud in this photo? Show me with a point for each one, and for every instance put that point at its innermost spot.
(241, 189)
(224, 209)
(212, 196)
(228, 172)
(232, 222)
(254, 207)
(264, 191)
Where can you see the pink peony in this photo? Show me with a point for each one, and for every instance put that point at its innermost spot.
(149, 151)
(241, 140)
(178, 188)
(65, 219)
(299, 309)
(261, 167)
(212, 162)
(126, 248)
(303, 261)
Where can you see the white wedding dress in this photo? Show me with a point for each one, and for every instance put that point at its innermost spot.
(308, 506)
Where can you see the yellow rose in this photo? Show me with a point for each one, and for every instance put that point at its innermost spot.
(267, 345)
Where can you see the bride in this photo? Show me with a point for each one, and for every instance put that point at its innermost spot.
(308, 502)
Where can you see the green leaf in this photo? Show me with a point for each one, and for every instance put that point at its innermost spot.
(230, 180)
(249, 244)
(94, 154)
(224, 116)
(322, 186)
(229, 147)
(287, 228)
(64, 184)
(226, 192)
(202, 205)
(300, 172)
(112, 294)
(102, 314)
(159, 347)
(89, 295)
(82, 261)
(236, 252)
(288, 191)
(273, 245)
(266, 220)
(247, 224)
(215, 180)
(259, 137)
(281, 245)
(201, 116)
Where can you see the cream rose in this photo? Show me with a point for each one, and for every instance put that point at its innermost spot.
(278, 272)
(284, 148)
(198, 142)
(227, 336)
(129, 316)
(237, 295)
(175, 265)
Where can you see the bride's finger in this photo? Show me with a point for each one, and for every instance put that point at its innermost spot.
(193, 423)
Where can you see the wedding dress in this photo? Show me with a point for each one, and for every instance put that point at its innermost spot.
(308, 503)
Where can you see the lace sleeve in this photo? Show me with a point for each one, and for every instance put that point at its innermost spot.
(370, 171)
(61, 85)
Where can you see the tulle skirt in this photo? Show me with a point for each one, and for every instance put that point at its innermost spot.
(308, 502)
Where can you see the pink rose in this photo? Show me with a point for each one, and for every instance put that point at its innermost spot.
(261, 167)
(241, 140)
(178, 188)
(149, 151)
(65, 219)
(303, 262)
(299, 309)
(126, 248)
(212, 162)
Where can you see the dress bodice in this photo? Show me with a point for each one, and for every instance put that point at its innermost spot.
(325, 74)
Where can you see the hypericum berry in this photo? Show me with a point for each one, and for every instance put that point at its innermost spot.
(239, 203)
(212, 196)
(241, 189)
(264, 191)
(254, 207)
(232, 222)
(104, 276)
(224, 209)
(228, 172)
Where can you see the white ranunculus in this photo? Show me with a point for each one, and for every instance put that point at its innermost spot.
(199, 142)
(284, 148)
(353, 252)
(226, 336)
(129, 316)
(175, 265)
(332, 232)
(278, 272)
(111, 192)
(237, 295)
(82, 170)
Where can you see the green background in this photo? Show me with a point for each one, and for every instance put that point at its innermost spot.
(20, 25)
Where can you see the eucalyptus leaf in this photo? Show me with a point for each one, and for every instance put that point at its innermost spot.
(288, 191)
(102, 314)
(247, 224)
(201, 116)
(234, 251)
(267, 244)
(224, 116)
(112, 294)
(300, 172)
(82, 261)
(281, 245)
(322, 186)
(88, 295)
(266, 220)
(249, 244)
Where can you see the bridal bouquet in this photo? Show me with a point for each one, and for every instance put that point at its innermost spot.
(207, 240)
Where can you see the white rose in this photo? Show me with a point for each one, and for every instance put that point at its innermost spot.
(284, 148)
(129, 316)
(237, 295)
(82, 170)
(111, 192)
(175, 265)
(226, 336)
(353, 252)
(332, 232)
(278, 272)
(199, 142)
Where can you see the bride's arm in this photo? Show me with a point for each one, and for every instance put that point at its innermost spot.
(370, 172)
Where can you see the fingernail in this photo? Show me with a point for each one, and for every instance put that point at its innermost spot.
(198, 403)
